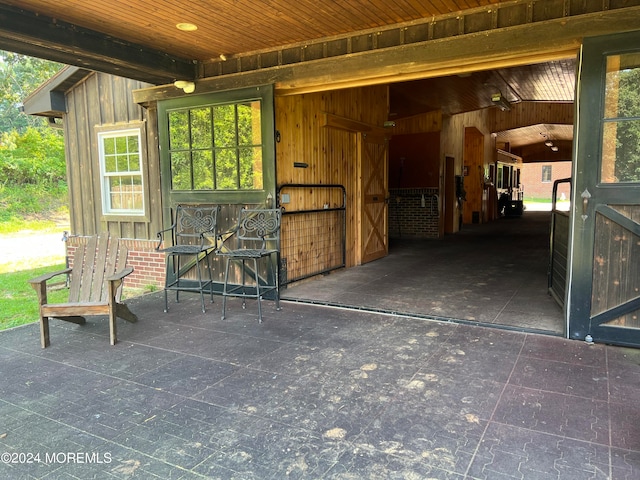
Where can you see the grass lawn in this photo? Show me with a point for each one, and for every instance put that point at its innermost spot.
(18, 300)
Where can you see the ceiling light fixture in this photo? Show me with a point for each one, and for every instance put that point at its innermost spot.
(186, 86)
(499, 101)
(186, 27)
(548, 142)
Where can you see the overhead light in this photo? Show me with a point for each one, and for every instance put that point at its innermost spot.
(548, 143)
(554, 149)
(186, 27)
(186, 86)
(499, 101)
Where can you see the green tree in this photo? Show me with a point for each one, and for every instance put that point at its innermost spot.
(19, 77)
(628, 133)
(32, 161)
(33, 157)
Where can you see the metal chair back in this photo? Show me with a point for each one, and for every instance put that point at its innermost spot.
(259, 225)
(195, 225)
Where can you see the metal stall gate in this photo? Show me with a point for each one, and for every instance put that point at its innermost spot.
(313, 230)
(558, 248)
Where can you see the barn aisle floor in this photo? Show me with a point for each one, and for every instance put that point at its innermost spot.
(490, 274)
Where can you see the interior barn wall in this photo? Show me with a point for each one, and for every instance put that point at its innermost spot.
(330, 157)
(414, 160)
(453, 145)
(414, 179)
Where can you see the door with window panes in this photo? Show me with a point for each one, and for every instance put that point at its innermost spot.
(218, 149)
(604, 291)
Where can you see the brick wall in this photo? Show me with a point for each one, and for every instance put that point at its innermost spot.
(148, 264)
(534, 187)
(407, 215)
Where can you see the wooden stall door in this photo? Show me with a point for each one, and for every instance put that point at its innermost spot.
(373, 157)
(474, 177)
(604, 294)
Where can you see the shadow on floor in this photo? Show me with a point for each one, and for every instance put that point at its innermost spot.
(494, 274)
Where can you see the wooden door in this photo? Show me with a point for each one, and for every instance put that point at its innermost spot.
(450, 201)
(373, 157)
(474, 177)
(604, 289)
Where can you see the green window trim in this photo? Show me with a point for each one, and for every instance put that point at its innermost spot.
(218, 147)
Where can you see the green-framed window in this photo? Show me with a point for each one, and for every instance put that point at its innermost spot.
(621, 123)
(218, 146)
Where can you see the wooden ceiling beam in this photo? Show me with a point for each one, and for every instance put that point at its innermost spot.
(40, 36)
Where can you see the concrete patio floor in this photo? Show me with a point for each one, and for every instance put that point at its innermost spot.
(312, 393)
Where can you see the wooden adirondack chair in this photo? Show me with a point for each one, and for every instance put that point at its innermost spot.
(96, 286)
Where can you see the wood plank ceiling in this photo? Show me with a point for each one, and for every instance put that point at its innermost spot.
(226, 28)
(231, 27)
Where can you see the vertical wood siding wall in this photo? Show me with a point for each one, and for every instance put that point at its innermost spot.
(105, 100)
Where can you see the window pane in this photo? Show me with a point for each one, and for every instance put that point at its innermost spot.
(122, 163)
(621, 152)
(132, 144)
(179, 130)
(202, 170)
(135, 196)
(622, 86)
(121, 144)
(226, 169)
(110, 164)
(201, 128)
(134, 162)
(251, 168)
(109, 144)
(621, 132)
(224, 117)
(249, 132)
(180, 171)
(126, 193)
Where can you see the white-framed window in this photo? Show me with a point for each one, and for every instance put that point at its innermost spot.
(121, 154)
(546, 174)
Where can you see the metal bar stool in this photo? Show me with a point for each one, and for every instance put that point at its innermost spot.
(256, 237)
(193, 237)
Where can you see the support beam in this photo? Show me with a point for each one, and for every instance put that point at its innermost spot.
(39, 36)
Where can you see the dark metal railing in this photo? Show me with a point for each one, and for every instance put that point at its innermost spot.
(558, 247)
